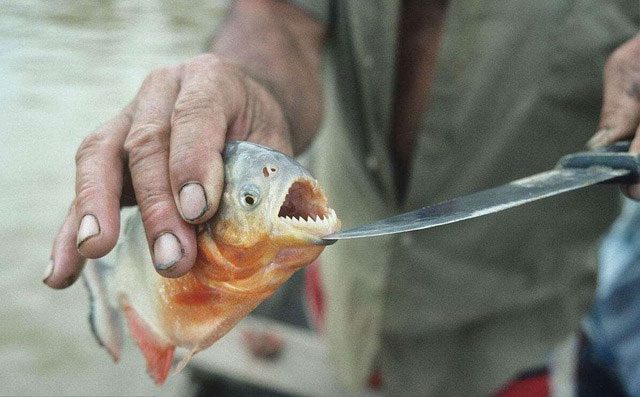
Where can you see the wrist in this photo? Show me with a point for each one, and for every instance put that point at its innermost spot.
(278, 47)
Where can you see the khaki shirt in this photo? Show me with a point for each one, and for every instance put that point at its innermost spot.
(518, 84)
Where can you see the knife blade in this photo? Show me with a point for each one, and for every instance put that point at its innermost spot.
(574, 171)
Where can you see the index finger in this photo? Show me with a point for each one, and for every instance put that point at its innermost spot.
(207, 102)
(91, 227)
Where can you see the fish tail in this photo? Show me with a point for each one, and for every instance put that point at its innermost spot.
(104, 317)
(157, 351)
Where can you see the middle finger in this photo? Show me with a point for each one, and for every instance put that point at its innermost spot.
(171, 240)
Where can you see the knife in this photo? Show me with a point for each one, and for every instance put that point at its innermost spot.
(611, 164)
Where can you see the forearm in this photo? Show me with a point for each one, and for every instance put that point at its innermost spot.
(280, 46)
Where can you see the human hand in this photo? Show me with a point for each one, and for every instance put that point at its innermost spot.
(163, 153)
(620, 117)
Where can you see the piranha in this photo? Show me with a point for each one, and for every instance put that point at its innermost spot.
(269, 224)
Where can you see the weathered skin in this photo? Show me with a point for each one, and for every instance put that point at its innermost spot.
(255, 242)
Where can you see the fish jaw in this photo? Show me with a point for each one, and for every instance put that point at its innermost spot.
(298, 216)
(303, 215)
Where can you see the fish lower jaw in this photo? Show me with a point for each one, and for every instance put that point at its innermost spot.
(317, 226)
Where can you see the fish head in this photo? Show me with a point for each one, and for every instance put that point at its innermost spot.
(272, 205)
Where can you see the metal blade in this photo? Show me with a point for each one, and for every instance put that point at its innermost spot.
(485, 202)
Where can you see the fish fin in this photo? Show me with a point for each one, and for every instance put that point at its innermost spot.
(185, 360)
(157, 351)
(104, 318)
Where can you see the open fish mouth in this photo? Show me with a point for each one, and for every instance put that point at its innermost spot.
(305, 207)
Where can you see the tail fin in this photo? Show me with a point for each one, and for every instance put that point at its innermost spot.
(104, 317)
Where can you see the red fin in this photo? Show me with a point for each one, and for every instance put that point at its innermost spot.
(157, 352)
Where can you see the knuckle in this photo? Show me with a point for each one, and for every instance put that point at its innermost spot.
(89, 146)
(215, 71)
(185, 164)
(145, 140)
(193, 157)
(154, 117)
(86, 192)
(198, 105)
(205, 62)
(160, 74)
(89, 191)
(184, 156)
(155, 206)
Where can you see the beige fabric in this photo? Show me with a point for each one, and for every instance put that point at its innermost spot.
(518, 85)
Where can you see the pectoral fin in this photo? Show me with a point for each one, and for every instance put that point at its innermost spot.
(104, 318)
(156, 350)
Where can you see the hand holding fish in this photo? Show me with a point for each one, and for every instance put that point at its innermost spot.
(163, 152)
(235, 220)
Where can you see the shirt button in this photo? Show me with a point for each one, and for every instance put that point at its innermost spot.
(372, 163)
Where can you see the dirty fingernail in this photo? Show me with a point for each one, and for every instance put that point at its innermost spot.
(599, 139)
(48, 271)
(89, 227)
(193, 201)
(166, 251)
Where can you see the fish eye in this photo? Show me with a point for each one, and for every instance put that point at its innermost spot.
(249, 196)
